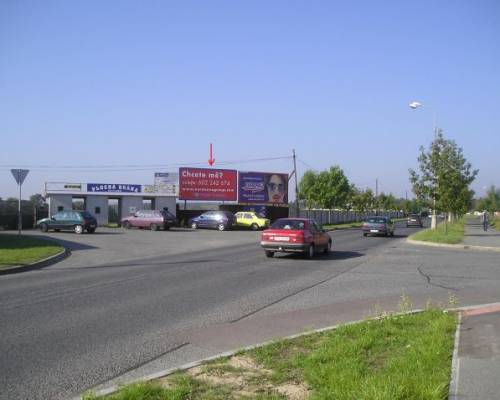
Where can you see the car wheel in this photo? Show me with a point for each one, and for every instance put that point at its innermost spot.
(255, 227)
(221, 227)
(126, 225)
(194, 225)
(91, 230)
(269, 253)
(44, 227)
(78, 229)
(365, 234)
(154, 227)
(310, 251)
(328, 247)
(57, 230)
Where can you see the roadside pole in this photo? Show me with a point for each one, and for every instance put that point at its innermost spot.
(19, 175)
(297, 209)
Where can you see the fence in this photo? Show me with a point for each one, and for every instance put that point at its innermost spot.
(328, 217)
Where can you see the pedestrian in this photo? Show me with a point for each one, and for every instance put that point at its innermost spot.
(486, 220)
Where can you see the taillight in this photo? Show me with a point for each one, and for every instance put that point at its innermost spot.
(297, 237)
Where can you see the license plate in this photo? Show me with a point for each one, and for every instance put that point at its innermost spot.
(374, 230)
(282, 238)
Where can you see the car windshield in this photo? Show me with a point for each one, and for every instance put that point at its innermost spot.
(376, 220)
(289, 224)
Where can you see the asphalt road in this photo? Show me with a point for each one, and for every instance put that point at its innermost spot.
(80, 323)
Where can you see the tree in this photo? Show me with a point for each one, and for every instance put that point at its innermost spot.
(491, 202)
(445, 176)
(306, 188)
(363, 201)
(327, 189)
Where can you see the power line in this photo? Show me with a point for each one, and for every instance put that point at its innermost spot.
(133, 167)
(307, 165)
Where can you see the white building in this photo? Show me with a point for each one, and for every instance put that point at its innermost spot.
(98, 198)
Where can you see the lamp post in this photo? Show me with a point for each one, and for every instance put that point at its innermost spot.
(415, 105)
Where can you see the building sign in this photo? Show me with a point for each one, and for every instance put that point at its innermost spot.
(262, 188)
(62, 187)
(112, 188)
(167, 182)
(207, 184)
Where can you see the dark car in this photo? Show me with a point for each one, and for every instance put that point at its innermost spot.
(77, 221)
(291, 235)
(378, 226)
(150, 219)
(414, 220)
(220, 220)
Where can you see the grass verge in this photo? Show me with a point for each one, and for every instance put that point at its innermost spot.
(445, 233)
(396, 357)
(332, 227)
(22, 250)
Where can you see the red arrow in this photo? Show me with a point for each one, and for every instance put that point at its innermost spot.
(211, 160)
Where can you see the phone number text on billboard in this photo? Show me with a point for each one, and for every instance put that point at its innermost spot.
(207, 184)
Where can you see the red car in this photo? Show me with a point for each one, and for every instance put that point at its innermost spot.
(295, 235)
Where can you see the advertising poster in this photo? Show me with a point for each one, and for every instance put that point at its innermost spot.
(207, 184)
(166, 183)
(263, 188)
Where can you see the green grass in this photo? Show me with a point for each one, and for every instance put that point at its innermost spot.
(454, 234)
(22, 250)
(112, 225)
(496, 223)
(396, 357)
(332, 227)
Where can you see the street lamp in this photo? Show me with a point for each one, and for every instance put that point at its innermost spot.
(415, 105)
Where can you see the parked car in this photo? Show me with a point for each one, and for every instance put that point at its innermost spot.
(414, 220)
(151, 219)
(250, 219)
(77, 221)
(220, 220)
(378, 226)
(290, 235)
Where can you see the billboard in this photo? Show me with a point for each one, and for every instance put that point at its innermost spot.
(262, 188)
(167, 182)
(112, 188)
(207, 184)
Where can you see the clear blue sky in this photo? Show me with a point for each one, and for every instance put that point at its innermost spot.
(132, 82)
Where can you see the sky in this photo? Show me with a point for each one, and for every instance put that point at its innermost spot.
(113, 91)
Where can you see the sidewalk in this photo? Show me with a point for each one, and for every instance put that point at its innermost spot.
(476, 236)
(477, 363)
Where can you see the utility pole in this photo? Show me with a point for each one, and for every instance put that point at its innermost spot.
(297, 210)
(376, 196)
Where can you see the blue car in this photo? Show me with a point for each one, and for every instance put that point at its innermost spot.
(221, 220)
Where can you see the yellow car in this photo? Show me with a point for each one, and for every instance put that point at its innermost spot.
(249, 219)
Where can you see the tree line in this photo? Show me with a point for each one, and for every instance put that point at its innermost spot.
(331, 189)
(442, 183)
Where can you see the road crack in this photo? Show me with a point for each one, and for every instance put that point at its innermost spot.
(429, 281)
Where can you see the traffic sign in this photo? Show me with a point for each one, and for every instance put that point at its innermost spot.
(19, 175)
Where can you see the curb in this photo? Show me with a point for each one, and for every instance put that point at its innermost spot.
(160, 374)
(453, 246)
(36, 265)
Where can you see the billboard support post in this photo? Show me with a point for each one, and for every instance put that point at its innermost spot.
(297, 210)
